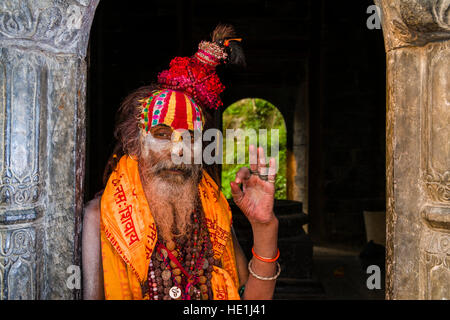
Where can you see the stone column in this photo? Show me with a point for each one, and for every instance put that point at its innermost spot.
(417, 34)
(300, 148)
(43, 47)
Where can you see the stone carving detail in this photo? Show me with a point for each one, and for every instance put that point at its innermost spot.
(54, 25)
(18, 264)
(438, 186)
(42, 87)
(403, 33)
(435, 154)
(417, 40)
(435, 265)
(2, 123)
(441, 13)
(20, 180)
(436, 133)
(414, 22)
(436, 243)
(425, 16)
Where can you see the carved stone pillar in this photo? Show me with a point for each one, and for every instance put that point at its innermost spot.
(417, 34)
(42, 111)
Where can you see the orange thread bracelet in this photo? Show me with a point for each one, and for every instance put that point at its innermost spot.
(266, 259)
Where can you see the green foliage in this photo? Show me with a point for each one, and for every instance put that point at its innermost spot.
(254, 114)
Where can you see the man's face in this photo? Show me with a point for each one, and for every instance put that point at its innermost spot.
(160, 146)
(175, 185)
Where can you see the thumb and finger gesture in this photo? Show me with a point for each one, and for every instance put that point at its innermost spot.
(258, 187)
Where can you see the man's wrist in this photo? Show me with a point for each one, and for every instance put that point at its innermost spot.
(269, 226)
(265, 238)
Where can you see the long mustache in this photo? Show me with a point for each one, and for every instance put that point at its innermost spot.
(157, 168)
(168, 165)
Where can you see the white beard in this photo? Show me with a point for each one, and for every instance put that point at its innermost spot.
(171, 197)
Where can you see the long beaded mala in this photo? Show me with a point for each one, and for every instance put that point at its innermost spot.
(183, 265)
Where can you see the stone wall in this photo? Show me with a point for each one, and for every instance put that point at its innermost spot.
(42, 112)
(417, 41)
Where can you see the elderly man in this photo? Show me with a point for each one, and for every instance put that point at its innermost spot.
(161, 229)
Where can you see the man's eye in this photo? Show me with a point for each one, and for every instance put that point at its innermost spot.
(162, 135)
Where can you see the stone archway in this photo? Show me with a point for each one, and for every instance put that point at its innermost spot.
(42, 114)
(255, 114)
(42, 129)
(417, 42)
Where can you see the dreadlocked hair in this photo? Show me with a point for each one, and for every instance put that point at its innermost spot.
(127, 129)
(233, 47)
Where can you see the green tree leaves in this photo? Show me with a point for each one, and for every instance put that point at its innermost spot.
(254, 113)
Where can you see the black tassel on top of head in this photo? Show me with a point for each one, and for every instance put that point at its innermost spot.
(225, 36)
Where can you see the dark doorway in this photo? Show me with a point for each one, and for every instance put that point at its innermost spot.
(323, 46)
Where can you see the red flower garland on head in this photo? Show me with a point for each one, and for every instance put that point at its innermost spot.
(195, 78)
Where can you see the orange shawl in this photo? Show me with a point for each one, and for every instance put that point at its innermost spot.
(128, 235)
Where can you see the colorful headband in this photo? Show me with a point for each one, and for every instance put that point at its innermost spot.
(172, 108)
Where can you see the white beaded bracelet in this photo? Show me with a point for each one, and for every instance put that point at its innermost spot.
(264, 278)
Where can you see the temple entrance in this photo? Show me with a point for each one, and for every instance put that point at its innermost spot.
(332, 102)
(358, 138)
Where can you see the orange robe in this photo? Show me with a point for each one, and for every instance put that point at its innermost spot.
(128, 235)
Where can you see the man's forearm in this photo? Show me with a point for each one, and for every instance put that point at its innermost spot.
(265, 244)
(91, 253)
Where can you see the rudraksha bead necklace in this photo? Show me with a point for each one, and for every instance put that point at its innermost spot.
(184, 265)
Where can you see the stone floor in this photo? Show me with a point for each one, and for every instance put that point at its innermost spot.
(338, 273)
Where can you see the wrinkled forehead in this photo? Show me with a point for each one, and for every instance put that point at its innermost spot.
(172, 108)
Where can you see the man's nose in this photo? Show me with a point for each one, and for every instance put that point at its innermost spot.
(177, 148)
(176, 136)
